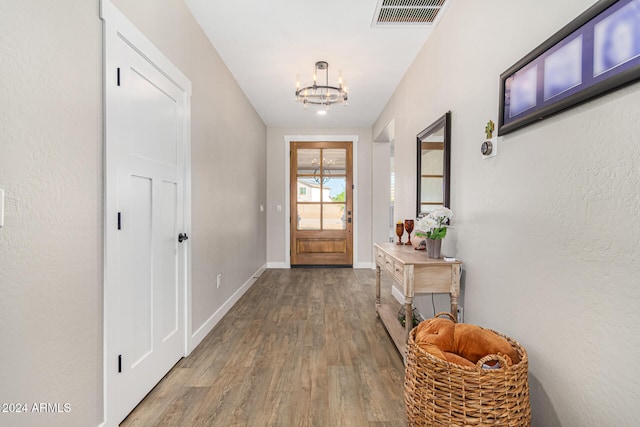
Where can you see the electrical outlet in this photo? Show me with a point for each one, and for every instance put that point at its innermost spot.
(218, 280)
(460, 314)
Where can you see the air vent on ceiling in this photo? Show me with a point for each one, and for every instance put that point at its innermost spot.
(407, 12)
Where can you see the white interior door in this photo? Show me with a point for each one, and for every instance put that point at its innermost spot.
(151, 183)
(146, 146)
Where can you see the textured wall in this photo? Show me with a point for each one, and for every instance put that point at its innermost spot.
(51, 244)
(51, 170)
(228, 151)
(276, 191)
(549, 229)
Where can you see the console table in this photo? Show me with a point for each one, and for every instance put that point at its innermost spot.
(415, 273)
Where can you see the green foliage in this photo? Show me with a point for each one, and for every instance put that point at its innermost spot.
(435, 234)
(340, 197)
(438, 233)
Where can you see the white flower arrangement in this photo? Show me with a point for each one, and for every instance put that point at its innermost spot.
(434, 224)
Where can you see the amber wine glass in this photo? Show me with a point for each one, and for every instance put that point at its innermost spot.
(408, 225)
(399, 232)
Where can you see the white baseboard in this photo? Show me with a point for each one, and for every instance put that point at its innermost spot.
(278, 265)
(258, 273)
(365, 265)
(397, 293)
(203, 331)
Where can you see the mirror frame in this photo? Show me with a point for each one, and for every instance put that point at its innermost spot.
(444, 121)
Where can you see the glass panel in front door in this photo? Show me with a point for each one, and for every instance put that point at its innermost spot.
(334, 161)
(321, 189)
(334, 217)
(309, 190)
(308, 161)
(309, 216)
(334, 189)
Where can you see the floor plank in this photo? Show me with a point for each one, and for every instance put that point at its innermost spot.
(302, 347)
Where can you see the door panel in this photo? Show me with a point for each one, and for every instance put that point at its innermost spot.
(155, 124)
(322, 246)
(167, 272)
(321, 203)
(137, 284)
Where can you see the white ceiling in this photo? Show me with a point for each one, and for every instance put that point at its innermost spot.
(266, 43)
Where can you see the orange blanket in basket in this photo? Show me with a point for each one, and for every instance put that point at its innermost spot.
(462, 343)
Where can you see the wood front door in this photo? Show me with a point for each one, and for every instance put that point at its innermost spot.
(321, 203)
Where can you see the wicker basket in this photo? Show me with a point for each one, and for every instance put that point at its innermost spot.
(438, 393)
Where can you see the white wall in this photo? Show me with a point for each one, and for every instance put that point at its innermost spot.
(381, 192)
(276, 191)
(547, 230)
(51, 244)
(51, 169)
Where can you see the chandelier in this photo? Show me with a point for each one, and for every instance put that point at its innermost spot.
(325, 171)
(321, 94)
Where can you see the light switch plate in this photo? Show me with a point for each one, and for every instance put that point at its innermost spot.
(1, 208)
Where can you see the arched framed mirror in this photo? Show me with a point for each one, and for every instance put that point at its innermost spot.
(434, 165)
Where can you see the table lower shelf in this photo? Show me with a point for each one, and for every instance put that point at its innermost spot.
(389, 316)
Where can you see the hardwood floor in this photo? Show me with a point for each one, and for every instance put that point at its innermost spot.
(303, 347)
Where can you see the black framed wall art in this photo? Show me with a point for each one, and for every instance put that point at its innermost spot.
(597, 52)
